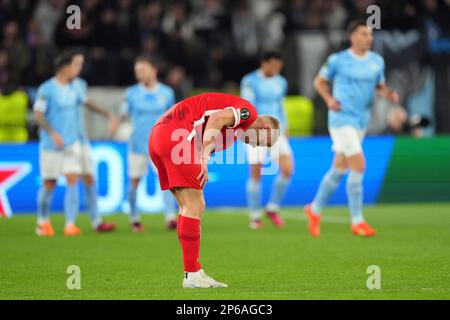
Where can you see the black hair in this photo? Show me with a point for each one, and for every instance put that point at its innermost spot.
(65, 58)
(354, 25)
(266, 56)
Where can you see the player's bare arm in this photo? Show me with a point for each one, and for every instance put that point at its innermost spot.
(114, 121)
(216, 123)
(43, 123)
(384, 91)
(323, 88)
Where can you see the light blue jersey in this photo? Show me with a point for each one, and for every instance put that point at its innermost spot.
(61, 107)
(82, 87)
(145, 107)
(266, 94)
(354, 80)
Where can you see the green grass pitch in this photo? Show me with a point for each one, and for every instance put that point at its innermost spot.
(412, 249)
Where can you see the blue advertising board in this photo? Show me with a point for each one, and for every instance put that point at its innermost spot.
(20, 180)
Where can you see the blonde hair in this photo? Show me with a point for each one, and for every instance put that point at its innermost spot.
(274, 122)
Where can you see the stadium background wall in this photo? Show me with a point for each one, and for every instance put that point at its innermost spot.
(400, 169)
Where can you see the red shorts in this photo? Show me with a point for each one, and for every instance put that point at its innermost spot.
(175, 157)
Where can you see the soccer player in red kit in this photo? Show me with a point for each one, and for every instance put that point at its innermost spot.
(180, 145)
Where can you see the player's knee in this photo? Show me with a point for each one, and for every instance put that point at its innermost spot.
(194, 208)
(287, 172)
(357, 163)
(88, 180)
(71, 179)
(359, 167)
(340, 163)
(49, 185)
(255, 172)
(135, 183)
(201, 205)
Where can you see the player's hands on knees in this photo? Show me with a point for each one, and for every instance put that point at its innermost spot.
(203, 176)
(57, 140)
(333, 104)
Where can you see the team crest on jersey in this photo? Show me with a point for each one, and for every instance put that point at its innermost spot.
(245, 114)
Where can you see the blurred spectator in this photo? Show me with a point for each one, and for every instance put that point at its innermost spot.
(208, 20)
(337, 15)
(46, 16)
(244, 30)
(176, 78)
(126, 25)
(296, 14)
(42, 56)
(18, 53)
(200, 35)
(201, 43)
(4, 73)
(149, 20)
(272, 28)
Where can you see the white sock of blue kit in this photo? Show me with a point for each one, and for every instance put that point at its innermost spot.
(169, 205)
(328, 185)
(91, 204)
(279, 188)
(44, 200)
(254, 198)
(132, 199)
(71, 203)
(355, 196)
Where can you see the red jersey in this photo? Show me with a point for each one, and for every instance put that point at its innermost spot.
(172, 147)
(193, 113)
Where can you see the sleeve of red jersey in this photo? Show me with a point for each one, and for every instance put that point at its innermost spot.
(244, 115)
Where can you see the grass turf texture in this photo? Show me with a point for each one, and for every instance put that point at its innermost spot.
(412, 249)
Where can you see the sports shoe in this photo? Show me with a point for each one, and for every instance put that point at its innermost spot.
(314, 221)
(275, 218)
(137, 227)
(256, 224)
(200, 280)
(363, 229)
(45, 229)
(105, 227)
(171, 225)
(72, 230)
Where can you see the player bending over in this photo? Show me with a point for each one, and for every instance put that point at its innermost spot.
(64, 146)
(180, 145)
(354, 75)
(145, 102)
(266, 89)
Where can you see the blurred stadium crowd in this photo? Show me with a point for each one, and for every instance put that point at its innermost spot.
(196, 43)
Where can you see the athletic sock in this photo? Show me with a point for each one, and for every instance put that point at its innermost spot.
(254, 199)
(91, 204)
(132, 197)
(44, 200)
(327, 187)
(170, 205)
(279, 188)
(355, 196)
(189, 237)
(71, 203)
